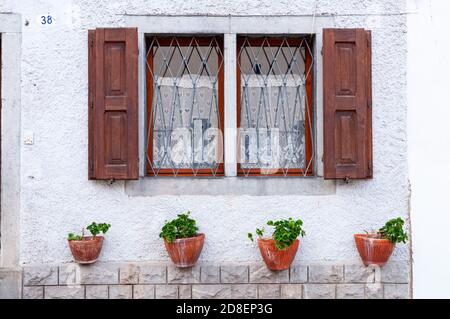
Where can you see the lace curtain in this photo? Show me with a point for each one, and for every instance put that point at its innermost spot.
(187, 122)
(272, 121)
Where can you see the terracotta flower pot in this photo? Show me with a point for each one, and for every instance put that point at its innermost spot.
(373, 251)
(274, 258)
(184, 252)
(87, 250)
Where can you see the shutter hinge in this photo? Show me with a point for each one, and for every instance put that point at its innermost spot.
(321, 51)
(92, 104)
(369, 166)
(91, 43)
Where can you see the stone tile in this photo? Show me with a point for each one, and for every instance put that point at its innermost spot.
(97, 292)
(40, 275)
(374, 291)
(121, 292)
(395, 272)
(358, 273)
(184, 291)
(64, 292)
(396, 291)
(211, 292)
(144, 292)
(152, 274)
(33, 292)
(183, 275)
(325, 273)
(298, 274)
(234, 274)
(319, 291)
(244, 291)
(291, 291)
(261, 274)
(166, 292)
(129, 274)
(210, 274)
(11, 283)
(350, 291)
(97, 274)
(269, 291)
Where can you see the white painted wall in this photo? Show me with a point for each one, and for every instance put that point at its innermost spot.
(429, 145)
(57, 198)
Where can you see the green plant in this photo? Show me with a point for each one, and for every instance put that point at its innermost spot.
(93, 228)
(393, 231)
(72, 236)
(285, 233)
(259, 232)
(96, 229)
(180, 227)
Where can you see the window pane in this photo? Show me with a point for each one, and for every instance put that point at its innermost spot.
(274, 105)
(185, 124)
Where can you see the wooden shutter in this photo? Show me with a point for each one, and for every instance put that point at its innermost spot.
(347, 91)
(113, 104)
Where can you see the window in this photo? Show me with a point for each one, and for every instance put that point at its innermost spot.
(272, 110)
(275, 76)
(185, 106)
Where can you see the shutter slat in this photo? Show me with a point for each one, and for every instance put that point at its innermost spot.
(113, 104)
(347, 104)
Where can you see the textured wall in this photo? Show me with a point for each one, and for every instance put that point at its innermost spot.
(56, 196)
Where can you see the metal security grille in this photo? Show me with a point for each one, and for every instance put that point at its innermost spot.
(185, 106)
(275, 109)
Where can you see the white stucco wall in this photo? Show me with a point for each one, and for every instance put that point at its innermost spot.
(429, 145)
(57, 198)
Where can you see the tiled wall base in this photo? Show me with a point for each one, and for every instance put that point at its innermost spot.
(158, 280)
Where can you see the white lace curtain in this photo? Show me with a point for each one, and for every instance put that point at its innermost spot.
(272, 121)
(187, 122)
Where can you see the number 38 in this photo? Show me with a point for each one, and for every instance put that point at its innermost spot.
(46, 20)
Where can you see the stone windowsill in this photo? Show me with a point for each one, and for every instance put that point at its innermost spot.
(253, 186)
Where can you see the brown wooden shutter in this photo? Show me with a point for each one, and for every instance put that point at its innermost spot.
(347, 87)
(113, 104)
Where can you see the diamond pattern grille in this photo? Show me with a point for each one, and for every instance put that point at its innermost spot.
(275, 135)
(185, 122)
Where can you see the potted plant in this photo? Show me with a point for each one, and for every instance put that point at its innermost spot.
(375, 248)
(86, 249)
(278, 251)
(182, 242)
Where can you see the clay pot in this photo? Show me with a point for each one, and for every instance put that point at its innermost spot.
(274, 258)
(373, 251)
(87, 250)
(184, 252)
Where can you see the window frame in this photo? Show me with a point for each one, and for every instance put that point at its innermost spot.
(183, 40)
(258, 40)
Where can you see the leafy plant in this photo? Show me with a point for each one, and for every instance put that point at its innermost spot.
(180, 227)
(72, 236)
(96, 229)
(93, 228)
(285, 233)
(259, 232)
(393, 231)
